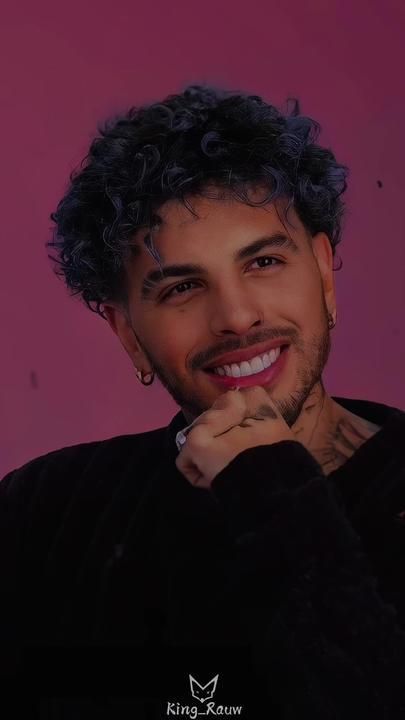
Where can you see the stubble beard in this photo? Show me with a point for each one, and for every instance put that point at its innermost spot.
(312, 359)
(312, 356)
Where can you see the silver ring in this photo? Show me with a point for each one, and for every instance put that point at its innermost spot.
(181, 436)
(180, 439)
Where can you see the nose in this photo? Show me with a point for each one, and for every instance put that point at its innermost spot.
(234, 312)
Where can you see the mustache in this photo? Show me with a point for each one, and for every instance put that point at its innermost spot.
(233, 345)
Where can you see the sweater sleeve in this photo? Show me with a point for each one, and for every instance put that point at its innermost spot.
(324, 641)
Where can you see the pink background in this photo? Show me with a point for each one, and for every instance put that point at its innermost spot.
(65, 66)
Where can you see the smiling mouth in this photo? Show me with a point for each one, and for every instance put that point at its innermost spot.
(265, 377)
(230, 370)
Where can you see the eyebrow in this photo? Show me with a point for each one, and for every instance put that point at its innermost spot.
(156, 277)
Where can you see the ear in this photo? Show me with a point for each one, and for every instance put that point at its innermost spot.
(322, 250)
(119, 320)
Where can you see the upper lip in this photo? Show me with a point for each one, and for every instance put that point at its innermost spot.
(240, 355)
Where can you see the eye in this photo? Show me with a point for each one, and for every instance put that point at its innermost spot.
(268, 257)
(179, 288)
(171, 292)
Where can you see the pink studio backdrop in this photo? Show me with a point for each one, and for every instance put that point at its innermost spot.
(65, 377)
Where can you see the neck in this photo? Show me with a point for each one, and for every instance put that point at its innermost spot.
(330, 433)
(314, 426)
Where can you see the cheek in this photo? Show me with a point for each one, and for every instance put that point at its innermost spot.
(301, 303)
(305, 296)
(176, 341)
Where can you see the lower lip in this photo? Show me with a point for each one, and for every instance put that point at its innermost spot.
(267, 376)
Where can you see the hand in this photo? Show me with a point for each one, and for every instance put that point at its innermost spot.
(235, 422)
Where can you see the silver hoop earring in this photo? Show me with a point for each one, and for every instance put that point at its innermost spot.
(146, 379)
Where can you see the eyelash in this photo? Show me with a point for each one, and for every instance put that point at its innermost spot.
(186, 282)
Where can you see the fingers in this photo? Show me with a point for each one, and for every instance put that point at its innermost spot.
(260, 404)
(229, 410)
(249, 401)
(230, 398)
(266, 411)
(225, 413)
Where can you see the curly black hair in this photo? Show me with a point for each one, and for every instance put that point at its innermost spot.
(175, 149)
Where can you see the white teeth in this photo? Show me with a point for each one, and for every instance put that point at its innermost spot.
(235, 370)
(245, 368)
(267, 360)
(256, 364)
(251, 367)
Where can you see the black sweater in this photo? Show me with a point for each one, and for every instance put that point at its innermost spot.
(119, 578)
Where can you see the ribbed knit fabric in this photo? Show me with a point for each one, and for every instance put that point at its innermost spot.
(119, 579)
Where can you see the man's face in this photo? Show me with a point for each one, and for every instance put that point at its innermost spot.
(186, 322)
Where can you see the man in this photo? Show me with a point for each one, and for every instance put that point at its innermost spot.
(260, 532)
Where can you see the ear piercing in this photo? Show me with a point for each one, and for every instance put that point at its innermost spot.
(331, 320)
(146, 379)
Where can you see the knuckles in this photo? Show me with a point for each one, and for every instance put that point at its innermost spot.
(246, 400)
(198, 435)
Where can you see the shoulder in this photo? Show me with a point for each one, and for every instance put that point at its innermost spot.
(371, 413)
(68, 465)
(59, 499)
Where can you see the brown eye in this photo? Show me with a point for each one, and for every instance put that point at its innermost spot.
(171, 291)
(269, 257)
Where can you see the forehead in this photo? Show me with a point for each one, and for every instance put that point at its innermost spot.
(208, 223)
